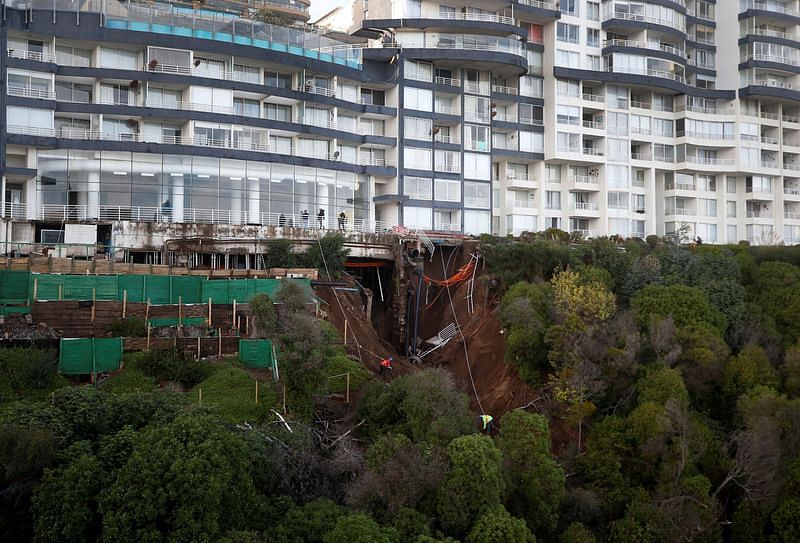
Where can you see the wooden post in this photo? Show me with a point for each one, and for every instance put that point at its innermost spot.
(233, 324)
(60, 291)
(347, 390)
(180, 312)
(256, 390)
(200, 396)
(209, 312)
(94, 302)
(147, 311)
(35, 288)
(345, 331)
(198, 347)
(124, 302)
(148, 336)
(219, 333)
(239, 322)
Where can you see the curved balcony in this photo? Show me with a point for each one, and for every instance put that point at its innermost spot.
(754, 7)
(669, 52)
(622, 21)
(770, 88)
(295, 9)
(464, 47)
(537, 11)
(484, 23)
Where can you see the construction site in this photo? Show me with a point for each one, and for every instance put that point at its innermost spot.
(420, 298)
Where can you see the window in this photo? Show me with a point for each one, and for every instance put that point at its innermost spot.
(413, 8)
(417, 217)
(531, 86)
(663, 153)
(637, 203)
(530, 114)
(640, 124)
(447, 190)
(116, 94)
(706, 207)
(730, 207)
(568, 143)
(618, 123)
(72, 56)
(447, 161)
(618, 200)
(663, 127)
(476, 222)
(477, 194)
(568, 115)
(476, 109)
(531, 142)
(278, 79)
(593, 11)
(418, 188)
(372, 97)
(373, 127)
(617, 176)
(570, 7)
(33, 118)
(567, 58)
(418, 71)
(476, 138)
(730, 185)
(593, 37)
(477, 166)
(617, 97)
(247, 74)
(707, 232)
(568, 87)
(73, 92)
(120, 59)
(618, 149)
(419, 99)
(278, 112)
(418, 129)
(418, 159)
(246, 107)
(731, 233)
(567, 33)
(552, 199)
(707, 183)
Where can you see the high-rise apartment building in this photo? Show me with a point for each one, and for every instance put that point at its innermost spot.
(626, 117)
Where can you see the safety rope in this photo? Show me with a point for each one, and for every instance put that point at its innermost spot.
(463, 339)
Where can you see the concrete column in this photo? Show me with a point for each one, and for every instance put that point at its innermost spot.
(93, 195)
(253, 200)
(3, 196)
(177, 198)
(31, 199)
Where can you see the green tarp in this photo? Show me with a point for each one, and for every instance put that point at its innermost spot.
(162, 322)
(13, 310)
(17, 287)
(14, 287)
(91, 355)
(256, 353)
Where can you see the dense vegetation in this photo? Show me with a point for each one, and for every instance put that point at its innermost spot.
(669, 376)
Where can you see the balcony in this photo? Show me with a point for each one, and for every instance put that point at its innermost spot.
(501, 89)
(453, 140)
(599, 125)
(769, 33)
(514, 181)
(682, 211)
(585, 206)
(771, 6)
(772, 58)
(637, 17)
(505, 118)
(29, 92)
(758, 214)
(594, 98)
(711, 161)
(664, 48)
(37, 56)
(447, 81)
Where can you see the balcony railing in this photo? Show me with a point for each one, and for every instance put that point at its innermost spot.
(773, 58)
(240, 142)
(593, 124)
(771, 6)
(28, 92)
(671, 23)
(585, 206)
(449, 81)
(501, 89)
(791, 191)
(645, 45)
(539, 4)
(768, 33)
(505, 118)
(710, 161)
(698, 39)
(37, 56)
(61, 213)
(478, 17)
(593, 97)
(452, 139)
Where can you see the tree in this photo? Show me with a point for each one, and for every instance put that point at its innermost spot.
(266, 319)
(399, 476)
(535, 479)
(280, 254)
(186, 481)
(786, 521)
(360, 529)
(329, 254)
(525, 313)
(425, 406)
(577, 533)
(686, 305)
(791, 370)
(748, 369)
(589, 300)
(661, 385)
(496, 525)
(271, 16)
(292, 296)
(473, 483)
(65, 504)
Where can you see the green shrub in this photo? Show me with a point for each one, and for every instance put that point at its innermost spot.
(28, 372)
(341, 364)
(129, 327)
(170, 365)
(231, 392)
(129, 381)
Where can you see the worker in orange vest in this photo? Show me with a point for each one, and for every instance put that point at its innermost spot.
(386, 365)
